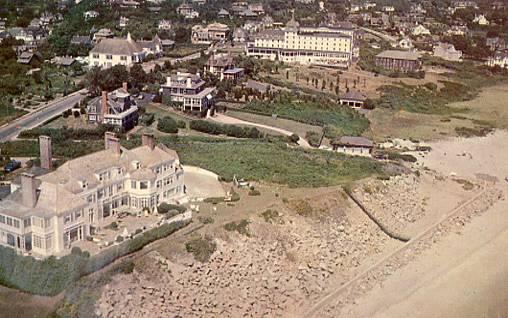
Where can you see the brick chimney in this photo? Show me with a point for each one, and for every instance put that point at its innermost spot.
(104, 105)
(148, 140)
(112, 142)
(125, 86)
(28, 190)
(46, 152)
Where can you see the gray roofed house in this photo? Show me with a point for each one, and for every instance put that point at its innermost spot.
(110, 52)
(404, 61)
(64, 61)
(351, 145)
(50, 212)
(117, 47)
(353, 99)
(81, 40)
(223, 14)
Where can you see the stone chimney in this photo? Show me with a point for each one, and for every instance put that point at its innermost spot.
(125, 86)
(112, 142)
(148, 140)
(104, 105)
(46, 152)
(29, 190)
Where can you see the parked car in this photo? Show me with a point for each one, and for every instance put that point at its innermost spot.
(12, 165)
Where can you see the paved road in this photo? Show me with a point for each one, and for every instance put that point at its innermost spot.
(34, 119)
(382, 35)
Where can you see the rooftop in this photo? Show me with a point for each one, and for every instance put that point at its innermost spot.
(399, 55)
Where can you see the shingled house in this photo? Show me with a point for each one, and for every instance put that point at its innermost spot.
(50, 212)
(358, 146)
(402, 61)
(116, 108)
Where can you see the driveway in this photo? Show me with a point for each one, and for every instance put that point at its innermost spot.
(201, 183)
(223, 119)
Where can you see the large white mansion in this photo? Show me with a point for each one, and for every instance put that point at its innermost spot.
(46, 214)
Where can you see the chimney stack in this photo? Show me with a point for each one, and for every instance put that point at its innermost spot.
(168, 81)
(148, 140)
(112, 142)
(125, 86)
(189, 82)
(46, 152)
(28, 189)
(104, 105)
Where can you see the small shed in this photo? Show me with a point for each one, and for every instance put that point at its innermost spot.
(358, 146)
(353, 99)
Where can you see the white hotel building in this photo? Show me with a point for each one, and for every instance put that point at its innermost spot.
(330, 46)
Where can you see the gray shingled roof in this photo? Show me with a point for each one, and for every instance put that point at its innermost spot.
(353, 141)
(399, 55)
(117, 47)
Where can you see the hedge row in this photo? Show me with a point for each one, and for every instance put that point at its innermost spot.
(51, 275)
(66, 134)
(229, 130)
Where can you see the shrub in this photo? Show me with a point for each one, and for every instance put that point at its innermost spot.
(313, 138)
(119, 239)
(147, 119)
(294, 138)
(164, 208)
(205, 219)
(240, 227)
(254, 192)
(112, 226)
(229, 130)
(167, 125)
(303, 208)
(271, 216)
(214, 200)
(201, 248)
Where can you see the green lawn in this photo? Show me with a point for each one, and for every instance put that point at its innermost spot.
(338, 120)
(272, 162)
(8, 113)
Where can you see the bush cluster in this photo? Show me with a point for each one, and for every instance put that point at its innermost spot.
(168, 125)
(51, 275)
(229, 130)
(67, 134)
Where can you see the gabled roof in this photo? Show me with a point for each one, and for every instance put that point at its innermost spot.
(117, 47)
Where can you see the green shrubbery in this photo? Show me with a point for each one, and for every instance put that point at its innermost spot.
(242, 227)
(313, 138)
(344, 120)
(272, 162)
(201, 248)
(50, 276)
(168, 125)
(67, 134)
(229, 130)
(170, 210)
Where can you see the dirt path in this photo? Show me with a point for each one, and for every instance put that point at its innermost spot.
(223, 119)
